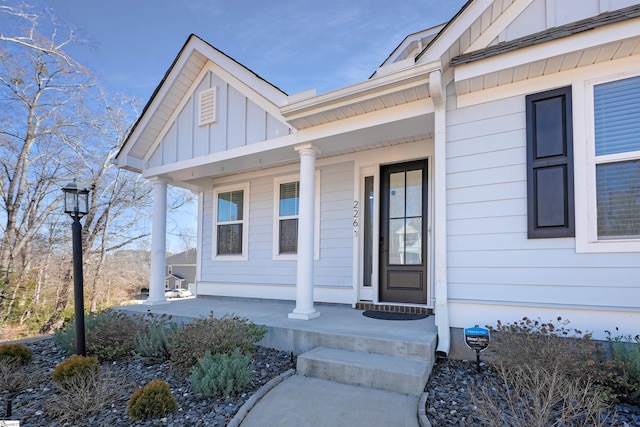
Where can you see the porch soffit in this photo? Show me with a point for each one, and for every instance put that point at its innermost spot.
(613, 36)
(379, 93)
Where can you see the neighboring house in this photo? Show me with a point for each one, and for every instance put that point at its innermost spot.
(488, 170)
(181, 270)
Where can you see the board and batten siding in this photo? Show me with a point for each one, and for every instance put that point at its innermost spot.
(334, 267)
(491, 262)
(239, 122)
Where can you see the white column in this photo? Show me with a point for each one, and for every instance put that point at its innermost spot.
(304, 281)
(158, 243)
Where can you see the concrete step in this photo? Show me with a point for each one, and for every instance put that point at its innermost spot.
(419, 346)
(379, 371)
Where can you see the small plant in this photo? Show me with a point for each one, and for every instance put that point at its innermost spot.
(83, 395)
(73, 367)
(221, 374)
(14, 378)
(625, 355)
(20, 353)
(110, 335)
(153, 344)
(152, 401)
(216, 335)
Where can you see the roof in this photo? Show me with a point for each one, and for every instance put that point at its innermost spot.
(555, 33)
(186, 257)
(168, 73)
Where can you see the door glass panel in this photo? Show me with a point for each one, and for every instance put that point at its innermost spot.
(396, 243)
(396, 195)
(413, 241)
(368, 231)
(414, 193)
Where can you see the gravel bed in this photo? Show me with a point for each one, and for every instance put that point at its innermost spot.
(449, 402)
(32, 407)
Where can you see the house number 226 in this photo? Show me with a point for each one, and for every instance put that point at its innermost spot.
(355, 218)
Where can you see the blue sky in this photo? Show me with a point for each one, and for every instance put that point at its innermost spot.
(294, 44)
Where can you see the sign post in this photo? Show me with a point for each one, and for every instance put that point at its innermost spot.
(477, 339)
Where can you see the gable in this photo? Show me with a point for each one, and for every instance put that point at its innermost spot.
(215, 116)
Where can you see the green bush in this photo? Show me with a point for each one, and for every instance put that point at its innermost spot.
(152, 401)
(19, 353)
(625, 354)
(221, 374)
(110, 335)
(73, 367)
(216, 335)
(154, 342)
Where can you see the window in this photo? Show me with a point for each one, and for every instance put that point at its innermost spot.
(616, 111)
(230, 223)
(286, 209)
(550, 201)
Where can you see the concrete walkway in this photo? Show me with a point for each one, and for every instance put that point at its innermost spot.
(311, 402)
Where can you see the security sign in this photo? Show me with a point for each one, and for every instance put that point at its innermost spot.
(477, 338)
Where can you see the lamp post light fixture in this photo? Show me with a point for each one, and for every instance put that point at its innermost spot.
(76, 204)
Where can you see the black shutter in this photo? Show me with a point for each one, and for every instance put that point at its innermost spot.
(550, 205)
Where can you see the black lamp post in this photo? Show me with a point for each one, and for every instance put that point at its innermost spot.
(76, 204)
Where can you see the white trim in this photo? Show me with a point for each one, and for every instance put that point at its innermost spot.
(245, 187)
(585, 165)
(276, 256)
(368, 293)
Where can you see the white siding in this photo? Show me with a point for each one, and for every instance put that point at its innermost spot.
(240, 121)
(333, 269)
(491, 262)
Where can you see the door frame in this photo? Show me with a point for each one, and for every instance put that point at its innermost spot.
(372, 294)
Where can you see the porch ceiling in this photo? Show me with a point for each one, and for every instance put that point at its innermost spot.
(200, 176)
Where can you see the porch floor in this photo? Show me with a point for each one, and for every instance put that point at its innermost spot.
(300, 336)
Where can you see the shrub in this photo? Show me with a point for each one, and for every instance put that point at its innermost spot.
(532, 396)
(546, 374)
(152, 401)
(75, 367)
(221, 374)
(83, 395)
(625, 354)
(110, 335)
(20, 353)
(217, 335)
(154, 342)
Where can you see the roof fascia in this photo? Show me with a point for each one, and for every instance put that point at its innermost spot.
(494, 30)
(359, 91)
(451, 32)
(588, 39)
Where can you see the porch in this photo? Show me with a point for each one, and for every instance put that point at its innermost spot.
(347, 346)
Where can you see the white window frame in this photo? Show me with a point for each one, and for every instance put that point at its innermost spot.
(245, 223)
(277, 256)
(585, 169)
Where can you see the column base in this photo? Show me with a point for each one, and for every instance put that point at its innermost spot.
(304, 315)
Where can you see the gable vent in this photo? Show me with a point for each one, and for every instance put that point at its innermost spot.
(207, 107)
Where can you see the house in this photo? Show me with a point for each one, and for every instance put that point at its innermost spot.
(488, 170)
(181, 270)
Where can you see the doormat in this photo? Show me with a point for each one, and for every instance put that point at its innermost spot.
(386, 315)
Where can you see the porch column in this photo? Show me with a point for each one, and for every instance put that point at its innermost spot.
(158, 243)
(304, 281)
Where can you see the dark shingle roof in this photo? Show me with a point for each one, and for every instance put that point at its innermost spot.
(550, 34)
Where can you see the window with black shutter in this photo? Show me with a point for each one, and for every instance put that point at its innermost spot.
(550, 200)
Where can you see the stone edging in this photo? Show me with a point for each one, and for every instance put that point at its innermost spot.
(422, 413)
(253, 400)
